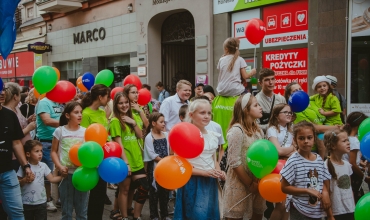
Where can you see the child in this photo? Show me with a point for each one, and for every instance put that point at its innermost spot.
(326, 101)
(232, 70)
(126, 132)
(156, 148)
(305, 177)
(341, 196)
(280, 134)
(241, 182)
(182, 112)
(198, 199)
(33, 189)
(354, 156)
(68, 134)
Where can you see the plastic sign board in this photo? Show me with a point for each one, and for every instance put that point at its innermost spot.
(222, 6)
(238, 22)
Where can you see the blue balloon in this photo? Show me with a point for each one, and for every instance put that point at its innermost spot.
(320, 136)
(113, 170)
(299, 101)
(365, 146)
(1, 85)
(8, 32)
(88, 80)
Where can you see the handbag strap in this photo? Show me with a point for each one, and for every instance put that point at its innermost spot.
(227, 164)
(285, 138)
(272, 105)
(28, 110)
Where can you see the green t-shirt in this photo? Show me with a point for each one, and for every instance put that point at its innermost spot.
(129, 143)
(140, 124)
(331, 104)
(310, 114)
(90, 116)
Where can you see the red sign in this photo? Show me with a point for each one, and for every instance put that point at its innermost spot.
(286, 23)
(17, 65)
(289, 66)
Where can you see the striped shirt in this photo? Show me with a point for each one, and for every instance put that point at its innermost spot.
(302, 173)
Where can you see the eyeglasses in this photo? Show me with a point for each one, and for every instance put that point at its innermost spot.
(287, 113)
(134, 92)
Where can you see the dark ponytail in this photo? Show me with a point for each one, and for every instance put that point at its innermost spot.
(63, 120)
(330, 140)
(354, 120)
(152, 118)
(91, 96)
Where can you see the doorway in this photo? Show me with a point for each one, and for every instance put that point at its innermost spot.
(178, 50)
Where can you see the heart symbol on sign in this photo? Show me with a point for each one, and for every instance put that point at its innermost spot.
(301, 17)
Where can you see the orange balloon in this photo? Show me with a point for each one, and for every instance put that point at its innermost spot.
(37, 94)
(270, 188)
(80, 85)
(173, 172)
(96, 132)
(57, 71)
(73, 155)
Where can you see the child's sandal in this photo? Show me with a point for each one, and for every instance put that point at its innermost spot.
(115, 215)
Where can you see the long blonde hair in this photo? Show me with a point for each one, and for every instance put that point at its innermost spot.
(241, 116)
(194, 105)
(232, 46)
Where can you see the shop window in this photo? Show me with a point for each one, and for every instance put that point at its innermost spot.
(360, 71)
(71, 69)
(120, 66)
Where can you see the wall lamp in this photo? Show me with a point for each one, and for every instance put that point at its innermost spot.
(49, 27)
(130, 7)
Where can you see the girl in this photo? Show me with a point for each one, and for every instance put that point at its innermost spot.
(310, 114)
(198, 199)
(67, 135)
(125, 131)
(241, 182)
(354, 156)
(326, 101)
(92, 113)
(139, 115)
(279, 133)
(305, 177)
(341, 196)
(156, 148)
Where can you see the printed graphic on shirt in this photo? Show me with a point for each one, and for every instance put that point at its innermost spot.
(313, 175)
(344, 182)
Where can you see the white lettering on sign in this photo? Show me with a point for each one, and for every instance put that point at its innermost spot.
(289, 64)
(286, 38)
(11, 62)
(281, 56)
(239, 31)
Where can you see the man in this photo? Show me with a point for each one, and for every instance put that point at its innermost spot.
(267, 99)
(341, 98)
(209, 92)
(198, 91)
(47, 120)
(163, 94)
(171, 105)
(10, 135)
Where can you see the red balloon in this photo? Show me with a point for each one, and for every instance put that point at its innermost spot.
(255, 31)
(279, 166)
(112, 149)
(114, 91)
(186, 140)
(63, 92)
(132, 79)
(144, 97)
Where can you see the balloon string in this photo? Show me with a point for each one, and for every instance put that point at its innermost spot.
(239, 202)
(363, 178)
(61, 182)
(254, 57)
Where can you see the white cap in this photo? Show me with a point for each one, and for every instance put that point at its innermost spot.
(320, 79)
(333, 79)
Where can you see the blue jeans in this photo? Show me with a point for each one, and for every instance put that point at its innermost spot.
(10, 195)
(46, 156)
(72, 198)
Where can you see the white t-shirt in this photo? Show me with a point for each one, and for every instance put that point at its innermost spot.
(215, 127)
(354, 145)
(67, 139)
(273, 132)
(229, 83)
(34, 193)
(302, 173)
(341, 195)
(205, 160)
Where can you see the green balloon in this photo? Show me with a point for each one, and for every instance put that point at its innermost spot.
(364, 128)
(85, 179)
(362, 210)
(90, 154)
(254, 80)
(262, 158)
(104, 77)
(44, 79)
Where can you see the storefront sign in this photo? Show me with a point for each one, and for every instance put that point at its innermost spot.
(238, 22)
(364, 108)
(289, 66)
(141, 71)
(156, 2)
(360, 18)
(39, 47)
(95, 35)
(286, 24)
(17, 65)
(222, 6)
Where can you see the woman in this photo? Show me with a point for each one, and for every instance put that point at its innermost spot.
(12, 99)
(92, 113)
(28, 108)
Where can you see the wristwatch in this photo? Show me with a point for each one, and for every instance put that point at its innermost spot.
(25, 166)
(361, 23)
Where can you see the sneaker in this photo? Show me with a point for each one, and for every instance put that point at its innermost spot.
(51, 207)
(58, 204)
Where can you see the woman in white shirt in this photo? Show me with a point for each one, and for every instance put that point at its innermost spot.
(198, 199)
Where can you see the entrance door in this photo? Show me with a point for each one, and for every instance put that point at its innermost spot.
(178, 50)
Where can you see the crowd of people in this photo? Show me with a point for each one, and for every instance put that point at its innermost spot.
(323, 174)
